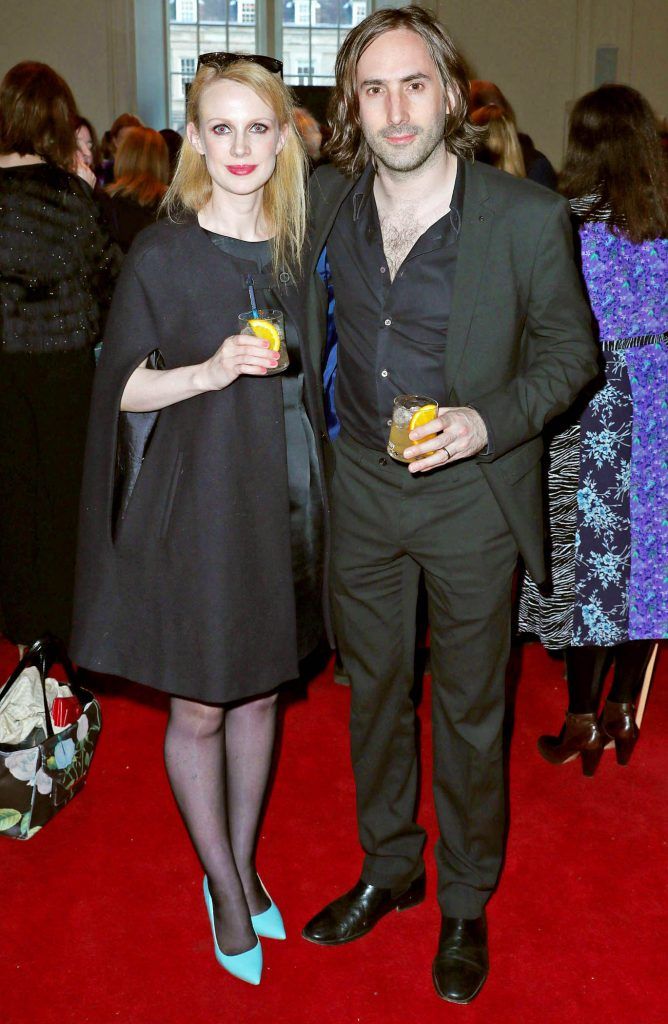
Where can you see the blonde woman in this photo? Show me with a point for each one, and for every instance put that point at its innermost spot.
(206, 581)
(141, 175)
(500, 145)
(538, 167)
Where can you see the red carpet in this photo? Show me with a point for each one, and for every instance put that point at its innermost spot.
(103, 919)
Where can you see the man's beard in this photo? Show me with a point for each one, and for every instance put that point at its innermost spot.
(409, 158)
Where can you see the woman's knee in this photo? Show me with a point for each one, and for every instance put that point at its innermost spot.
(193, 717)
(263, 705)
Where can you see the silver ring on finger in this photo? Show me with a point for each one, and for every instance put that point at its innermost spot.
(447, 453)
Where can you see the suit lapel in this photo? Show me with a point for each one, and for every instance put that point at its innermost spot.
(325, 198)
(477, 223)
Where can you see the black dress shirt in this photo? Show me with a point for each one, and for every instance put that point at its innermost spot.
(392, 334)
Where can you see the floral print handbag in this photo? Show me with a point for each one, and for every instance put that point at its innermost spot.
(41, 775)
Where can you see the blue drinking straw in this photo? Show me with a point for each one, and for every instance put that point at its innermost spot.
(251, 292)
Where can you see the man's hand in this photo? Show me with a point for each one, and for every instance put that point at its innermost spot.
(460, 433)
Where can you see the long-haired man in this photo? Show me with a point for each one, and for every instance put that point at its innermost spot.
(455, 281)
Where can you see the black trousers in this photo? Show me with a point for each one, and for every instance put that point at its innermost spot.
(387, 527)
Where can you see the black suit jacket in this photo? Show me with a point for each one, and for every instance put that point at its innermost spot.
(519, 345)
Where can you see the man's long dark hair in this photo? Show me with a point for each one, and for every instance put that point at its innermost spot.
(614, 153)
(348, 148)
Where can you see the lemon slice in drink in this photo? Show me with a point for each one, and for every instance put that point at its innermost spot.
(423, 415)
(265, 329)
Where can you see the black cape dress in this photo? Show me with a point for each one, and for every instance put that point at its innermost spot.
(197, 588)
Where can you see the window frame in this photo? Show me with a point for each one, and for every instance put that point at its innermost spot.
(314, 30)
(187, 75)
(172, 68)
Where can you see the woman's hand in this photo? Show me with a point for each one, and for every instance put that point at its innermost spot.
(148, 390)
(239, 354)
(82, 169)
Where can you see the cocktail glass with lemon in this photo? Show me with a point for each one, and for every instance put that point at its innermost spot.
(409, 412)
(267, 324)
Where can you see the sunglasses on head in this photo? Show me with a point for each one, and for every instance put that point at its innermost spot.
(221, 59)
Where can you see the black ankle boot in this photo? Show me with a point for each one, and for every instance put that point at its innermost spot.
(618, 724)
(580, 735)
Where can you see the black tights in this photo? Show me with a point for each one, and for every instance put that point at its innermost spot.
(218, 761)
(585, 668)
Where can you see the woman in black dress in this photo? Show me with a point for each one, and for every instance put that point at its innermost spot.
(57, 271)
(206, 580)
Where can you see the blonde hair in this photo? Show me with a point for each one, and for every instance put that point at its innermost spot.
(124, 121)
(141, 166)
(284, 195)
(309, 132)
(501, 141)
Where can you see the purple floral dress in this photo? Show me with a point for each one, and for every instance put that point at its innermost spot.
(608, 463)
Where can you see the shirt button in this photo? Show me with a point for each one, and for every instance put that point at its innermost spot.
(388, 322)
(383, 373)
(382, 270)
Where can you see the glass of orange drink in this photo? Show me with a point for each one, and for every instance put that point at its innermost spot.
(409, 412)
(267, 324)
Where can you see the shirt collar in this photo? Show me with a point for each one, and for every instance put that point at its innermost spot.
(364, 190)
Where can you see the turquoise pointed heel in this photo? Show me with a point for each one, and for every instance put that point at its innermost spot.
(248, 965)
(269, 924)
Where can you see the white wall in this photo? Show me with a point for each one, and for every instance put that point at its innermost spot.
(542, 53)
(527, 48)
(649, 52)
(89, 42)
(151, 54)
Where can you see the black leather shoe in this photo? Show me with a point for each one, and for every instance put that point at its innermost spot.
(461, 964)
(356, 912)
